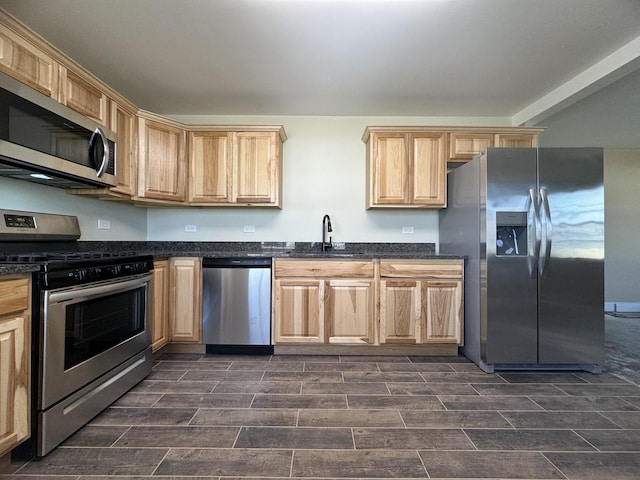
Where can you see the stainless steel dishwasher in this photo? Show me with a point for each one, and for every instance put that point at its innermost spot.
(236, 305)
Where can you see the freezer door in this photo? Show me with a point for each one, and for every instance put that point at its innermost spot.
(509, 295)
(571, 284)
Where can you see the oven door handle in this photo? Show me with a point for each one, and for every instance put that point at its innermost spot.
(83, 293)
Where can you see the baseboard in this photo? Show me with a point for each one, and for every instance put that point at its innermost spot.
(622, 307)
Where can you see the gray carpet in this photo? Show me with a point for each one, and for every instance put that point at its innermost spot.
(622, 347)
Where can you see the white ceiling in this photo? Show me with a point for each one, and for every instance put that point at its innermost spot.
(521, 59)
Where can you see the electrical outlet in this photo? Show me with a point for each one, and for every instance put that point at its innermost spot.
(407, 229)
(249, 229)
(104, 224)
(190, 228)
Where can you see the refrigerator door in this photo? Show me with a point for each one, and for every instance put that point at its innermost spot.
(571, 284)
(509, 321)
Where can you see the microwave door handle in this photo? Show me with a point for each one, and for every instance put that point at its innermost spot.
(99, 136)
(548, 229)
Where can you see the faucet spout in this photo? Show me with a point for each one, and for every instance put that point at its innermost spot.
(326, 228)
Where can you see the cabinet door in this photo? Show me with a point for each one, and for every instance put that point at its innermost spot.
(389, 170)
(185, 299)
(83, 97)
(24, 62)
(442, 301)
(123, 123)
(512, 140)
(161, 161)
(210, 167)
(429, 170)
(159, 307)
(299, 311)
(349, 312)
(256, 168)
(15, 369)
(463, 146)
(400, 311)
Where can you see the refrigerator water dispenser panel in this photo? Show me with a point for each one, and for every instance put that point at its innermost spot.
(511, 233)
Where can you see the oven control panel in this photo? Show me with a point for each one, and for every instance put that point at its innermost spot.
(19, 221)
(95, 271)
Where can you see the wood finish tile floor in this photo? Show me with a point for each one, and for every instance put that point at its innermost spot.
(355, 417)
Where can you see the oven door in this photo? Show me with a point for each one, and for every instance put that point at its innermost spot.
(88, 330)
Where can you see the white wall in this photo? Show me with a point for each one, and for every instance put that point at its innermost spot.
(323, 173)
(610, 118)
(622, 226)
(127, 222)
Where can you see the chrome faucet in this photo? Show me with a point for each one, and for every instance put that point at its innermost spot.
(326, 228)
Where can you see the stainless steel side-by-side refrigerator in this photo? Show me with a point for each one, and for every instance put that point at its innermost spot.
(530, 222)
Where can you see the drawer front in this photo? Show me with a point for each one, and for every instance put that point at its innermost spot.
(449, 269)
(323, 268)
(14, 295)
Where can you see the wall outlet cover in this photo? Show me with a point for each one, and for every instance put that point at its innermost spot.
(407, 229)
(249, 229)
(104, 224)
(190, 228)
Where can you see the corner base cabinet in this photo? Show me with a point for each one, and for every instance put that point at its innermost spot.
(15, 368)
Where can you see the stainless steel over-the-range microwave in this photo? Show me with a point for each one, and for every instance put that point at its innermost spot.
(46, 142)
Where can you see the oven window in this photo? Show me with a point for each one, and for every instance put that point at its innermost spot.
(95, 326)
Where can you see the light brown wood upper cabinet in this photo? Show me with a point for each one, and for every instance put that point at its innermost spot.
(15, 369)
(406, 170)
(162, 165)
(82, 96)
(236, 168)
(123, 123)
(25, 62)
(324, 301)
(464, 145)
(421, 301)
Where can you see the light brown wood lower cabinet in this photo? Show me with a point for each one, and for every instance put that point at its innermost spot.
(352, 302)
(185, 299)
(159, 307)
(299, 311)
(323, 301)
(349, 311)
(421, 302)
(15, 366)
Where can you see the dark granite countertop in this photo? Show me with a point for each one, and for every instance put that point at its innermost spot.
(271, 249)
(251, 249)
(13, 268)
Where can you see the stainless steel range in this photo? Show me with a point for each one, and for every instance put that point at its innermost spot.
(90, 340)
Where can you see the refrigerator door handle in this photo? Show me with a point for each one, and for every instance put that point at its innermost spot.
(534, 227)
(547, 228)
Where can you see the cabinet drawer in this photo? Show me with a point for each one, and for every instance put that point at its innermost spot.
(324, 268)
(14, 296)
(449, 269)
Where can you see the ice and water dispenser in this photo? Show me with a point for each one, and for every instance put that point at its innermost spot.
(511, 233)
